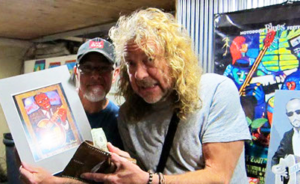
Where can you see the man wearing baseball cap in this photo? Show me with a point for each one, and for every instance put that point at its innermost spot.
(95, 72)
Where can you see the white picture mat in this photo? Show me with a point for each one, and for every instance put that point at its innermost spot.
(27, 82)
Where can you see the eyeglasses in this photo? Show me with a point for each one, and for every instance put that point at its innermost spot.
(88, 69)
(291, 113)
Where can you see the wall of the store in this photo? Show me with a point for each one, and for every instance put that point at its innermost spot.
(11, 63)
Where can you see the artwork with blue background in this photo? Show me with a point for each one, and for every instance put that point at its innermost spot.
(260, 53)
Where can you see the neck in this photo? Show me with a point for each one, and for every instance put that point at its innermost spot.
(92, 107)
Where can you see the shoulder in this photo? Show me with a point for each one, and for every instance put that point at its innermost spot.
(211, 84)
(122, 118)
(112, 106)
(289, 133)
(211, 79)
(125, 106)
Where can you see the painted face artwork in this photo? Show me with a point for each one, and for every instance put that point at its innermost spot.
(42, 101)
(148, 75)
(239, 75)
(293, 112)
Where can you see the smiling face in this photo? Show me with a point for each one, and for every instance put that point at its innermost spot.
(293, 112)
(95, 75)
(149, 75)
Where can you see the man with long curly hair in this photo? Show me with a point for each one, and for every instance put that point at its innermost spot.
(160, 77)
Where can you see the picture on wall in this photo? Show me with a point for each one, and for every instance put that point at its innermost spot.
(71, 64)
(260, 52)
(54, 64)
(47, 120)
(42, 64)
(39, 65)
(283, 166)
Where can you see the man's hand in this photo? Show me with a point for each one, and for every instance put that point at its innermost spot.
(257, 91)
(62, 114)
(279, 170)
(116, 150)
(30, 174)
(126, 172)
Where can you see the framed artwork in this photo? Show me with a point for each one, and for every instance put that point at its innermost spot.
(47, 120)
(71, 64)
(260, 53)
(45, 117)
(54, 64)
(42, 64)
(39, 65)
(284, 152)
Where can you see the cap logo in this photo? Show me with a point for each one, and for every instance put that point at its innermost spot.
(94, 44)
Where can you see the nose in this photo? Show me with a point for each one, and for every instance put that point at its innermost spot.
(243, 76)
(141, 72)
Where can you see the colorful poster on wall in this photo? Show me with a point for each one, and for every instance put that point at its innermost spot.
(260, 52)
(39, 65)
(54, 64)
(71, 64)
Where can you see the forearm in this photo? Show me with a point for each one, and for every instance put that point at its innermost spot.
(218, 167)
(61, 180)
(206, 176)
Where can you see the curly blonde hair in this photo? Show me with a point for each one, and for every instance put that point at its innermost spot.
(155, 25)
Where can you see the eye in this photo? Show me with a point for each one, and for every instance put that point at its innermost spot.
(297, 111)
(130, 63)
(150, 59)
(289, 114)
(86, 68)
(105, 69)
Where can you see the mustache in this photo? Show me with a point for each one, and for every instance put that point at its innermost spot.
(94, 82)
(147, 82)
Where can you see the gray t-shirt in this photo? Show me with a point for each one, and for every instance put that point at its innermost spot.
(220, 119)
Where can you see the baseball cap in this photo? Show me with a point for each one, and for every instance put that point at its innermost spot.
(97, 45)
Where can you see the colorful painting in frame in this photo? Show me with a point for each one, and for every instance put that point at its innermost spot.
(54, 64)
(45, 117)
(48, 121)
(39, 65)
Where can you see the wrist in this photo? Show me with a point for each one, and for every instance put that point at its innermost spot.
(155, 179)
(56, 180)
(150, 178)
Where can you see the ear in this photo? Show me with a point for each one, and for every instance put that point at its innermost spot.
(75, 71)
(116, 74)
(76, 77)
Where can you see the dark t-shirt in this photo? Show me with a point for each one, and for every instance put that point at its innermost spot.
(107, 119)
